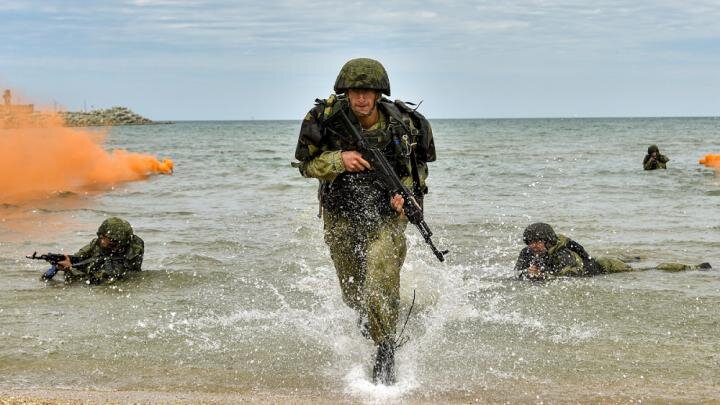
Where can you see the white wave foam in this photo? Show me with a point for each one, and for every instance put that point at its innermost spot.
(359, 384)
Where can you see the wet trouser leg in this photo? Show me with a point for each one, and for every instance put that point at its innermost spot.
(674, 267)
(613, 265)
(385, 256)
(347, 249)
(367, 262)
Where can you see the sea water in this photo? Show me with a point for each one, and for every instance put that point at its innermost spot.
(239, 295)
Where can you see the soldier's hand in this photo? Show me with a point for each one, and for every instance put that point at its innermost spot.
(65, 263)
(534, 272)
(353, 161)
(397, 201)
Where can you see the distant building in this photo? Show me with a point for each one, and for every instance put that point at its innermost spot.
(9, 107)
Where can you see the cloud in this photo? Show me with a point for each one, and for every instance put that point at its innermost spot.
(307, 40)
(282, 26)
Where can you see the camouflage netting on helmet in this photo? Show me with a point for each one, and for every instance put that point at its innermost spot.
(540, 231)
(117, 229)
(362, 73)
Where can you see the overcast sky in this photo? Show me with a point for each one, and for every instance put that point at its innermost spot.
(184, 60)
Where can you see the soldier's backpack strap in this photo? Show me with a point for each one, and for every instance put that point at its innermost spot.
(329, 103)
(590, 266)
(329, 106)
(412, 130)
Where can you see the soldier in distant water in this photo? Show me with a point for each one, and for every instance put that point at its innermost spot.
(654, 160)
(550, 255)
(115, 252)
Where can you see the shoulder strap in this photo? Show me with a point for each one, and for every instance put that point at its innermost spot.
(404, 112)
(590, 266)
(331, 105)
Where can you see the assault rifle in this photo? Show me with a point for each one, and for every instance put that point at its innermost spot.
(53, 259)
(413, 210)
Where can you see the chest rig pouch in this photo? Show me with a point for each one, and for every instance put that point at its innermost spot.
(106, 269)
(362, 195)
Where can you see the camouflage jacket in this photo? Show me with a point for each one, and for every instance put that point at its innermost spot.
(658, 163)
(404, 136)
(95, 265)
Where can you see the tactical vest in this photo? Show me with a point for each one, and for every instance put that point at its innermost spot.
(362, 195)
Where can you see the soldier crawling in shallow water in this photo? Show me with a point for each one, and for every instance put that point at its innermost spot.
(550, 255)
(115, 252)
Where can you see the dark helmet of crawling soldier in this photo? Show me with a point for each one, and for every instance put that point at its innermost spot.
(118, 231)
(540, 231)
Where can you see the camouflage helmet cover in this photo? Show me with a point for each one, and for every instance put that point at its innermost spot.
(539, 231)
(362, 73)
(653, 148)
(117, 229)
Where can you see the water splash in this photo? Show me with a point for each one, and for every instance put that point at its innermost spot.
(360, 385)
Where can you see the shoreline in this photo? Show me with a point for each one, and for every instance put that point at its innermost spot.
(598, 393)
(76, 397)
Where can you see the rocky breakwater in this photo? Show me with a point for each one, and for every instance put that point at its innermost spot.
(104, 117)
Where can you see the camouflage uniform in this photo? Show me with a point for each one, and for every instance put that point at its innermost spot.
(365, 235)
(96, 264)
(658, 163)
(565, 257)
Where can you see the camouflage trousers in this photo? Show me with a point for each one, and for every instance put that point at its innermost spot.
(367, 259)
(613, 265)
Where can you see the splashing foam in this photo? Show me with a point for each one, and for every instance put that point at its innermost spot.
(41, 157)
(360, 385)
(711, 160)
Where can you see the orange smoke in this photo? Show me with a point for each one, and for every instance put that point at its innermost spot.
(39, 157)
(711, 160)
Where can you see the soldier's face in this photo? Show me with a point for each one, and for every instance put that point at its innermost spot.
(362, 101)
(537, 247)
(105, 242)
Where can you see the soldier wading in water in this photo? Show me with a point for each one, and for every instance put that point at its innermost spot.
(654, 159)
(364, 224)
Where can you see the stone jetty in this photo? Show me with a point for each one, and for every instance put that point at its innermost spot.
(104, 117)
(23, 116)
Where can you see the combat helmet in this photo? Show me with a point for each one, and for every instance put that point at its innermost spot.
(653, 149)
(118, 230)
(540, 231)
(362, 73)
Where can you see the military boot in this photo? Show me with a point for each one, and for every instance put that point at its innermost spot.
(384, 368)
